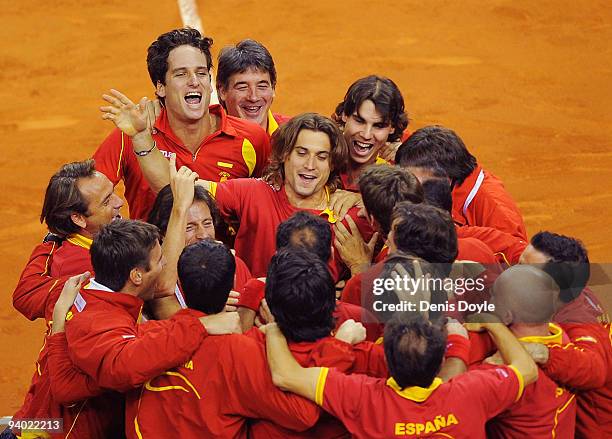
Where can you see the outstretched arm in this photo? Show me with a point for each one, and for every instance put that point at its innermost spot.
(135, 121)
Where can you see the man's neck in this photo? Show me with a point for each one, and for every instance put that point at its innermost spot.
(192, 133)
(354, 169)
(530, 330)
(316, 201)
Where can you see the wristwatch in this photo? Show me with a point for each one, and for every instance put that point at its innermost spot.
(146, 152)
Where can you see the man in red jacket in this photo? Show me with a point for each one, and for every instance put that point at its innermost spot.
(586, 363)
(479, 198)
(78, 201)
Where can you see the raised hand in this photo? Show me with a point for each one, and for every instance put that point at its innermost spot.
(182, 183)
(66, 299)
(130, 118)
(354, 251)
(341, 201)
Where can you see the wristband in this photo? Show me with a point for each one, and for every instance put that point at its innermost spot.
(252, 294)
(147, 152)
(459, 347)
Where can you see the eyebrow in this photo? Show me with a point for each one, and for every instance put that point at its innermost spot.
(178, 69)
(382, 120)
(106, 198)
(307, 148)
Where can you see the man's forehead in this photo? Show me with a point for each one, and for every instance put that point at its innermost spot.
(98, 185)
(250, 74)
(186, 56)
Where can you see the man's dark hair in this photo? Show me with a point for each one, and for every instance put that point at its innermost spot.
(63, 197)
(414, 349)
(440, 145)
(387, 100)
(206, 271)
(120, 247)
(569, 262)
(247, 54)
(308, 231)
(162, 208)
(425, 231)
(438, 193)
(301, 294)
(157, 54)
(382, 186)
(425, 164)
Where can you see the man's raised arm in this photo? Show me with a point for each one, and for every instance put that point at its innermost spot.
(135, 121)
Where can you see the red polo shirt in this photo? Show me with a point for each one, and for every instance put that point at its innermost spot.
(482, 200)
(377, 408)
(238, 149)
(259, 209)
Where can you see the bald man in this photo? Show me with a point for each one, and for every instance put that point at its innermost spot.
(524, 298)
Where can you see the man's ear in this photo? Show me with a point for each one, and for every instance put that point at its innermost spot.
(79, 219)
(507, 317)
(160, 90)
(136, 276)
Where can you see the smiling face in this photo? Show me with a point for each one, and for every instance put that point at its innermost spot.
(187, 89)
(307, 167)
(102, 203)
(366, 132)
(200, 223)
(249, 96)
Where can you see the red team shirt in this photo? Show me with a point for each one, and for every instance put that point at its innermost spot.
(238, 149)
(214, 393)
(259, 209)
(377, 408)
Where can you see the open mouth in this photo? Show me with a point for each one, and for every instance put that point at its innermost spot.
(116, 217)
(362, 149)
(193, 98)
(251, 110)
(307, 179)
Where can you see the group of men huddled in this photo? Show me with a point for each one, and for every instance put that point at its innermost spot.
(237, 301)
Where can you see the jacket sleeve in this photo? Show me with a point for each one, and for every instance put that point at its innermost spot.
(35, 285)
(581, 364)
(120, 356)
(68, 383)
(507, 247)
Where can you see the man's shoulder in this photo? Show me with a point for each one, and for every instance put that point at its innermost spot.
(246, 129)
